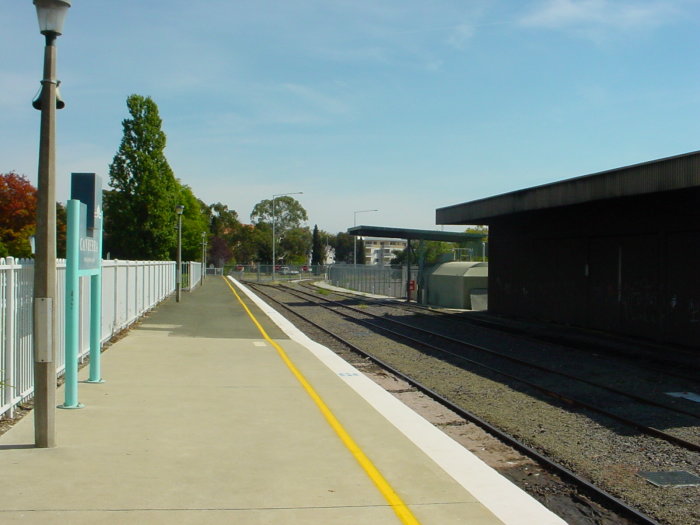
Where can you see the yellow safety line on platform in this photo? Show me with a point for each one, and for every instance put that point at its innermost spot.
(397, 504)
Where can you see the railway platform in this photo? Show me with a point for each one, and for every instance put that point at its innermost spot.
(218, 410)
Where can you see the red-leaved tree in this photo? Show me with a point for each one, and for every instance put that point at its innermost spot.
(17, 214)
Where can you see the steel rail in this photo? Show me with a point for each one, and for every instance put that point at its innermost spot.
(557, 395)
(517, 360)
(495, 325)
(601, 495)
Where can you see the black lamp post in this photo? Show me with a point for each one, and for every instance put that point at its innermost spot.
(178, 285)
(51, 15)
(204, 255)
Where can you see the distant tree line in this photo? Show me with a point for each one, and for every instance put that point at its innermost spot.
(140, 222)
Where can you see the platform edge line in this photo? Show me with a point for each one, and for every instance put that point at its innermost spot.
(394, 500)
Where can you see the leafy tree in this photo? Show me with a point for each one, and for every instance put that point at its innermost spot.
(223, 221)
(262, 239)
(317, 248)
(245, 248)
(294, 246)
(140, 211)
(476, 246)
(219, 252)
(17, 214)
(61, 230)
(343, 246)
(289, 214)
(195, 221)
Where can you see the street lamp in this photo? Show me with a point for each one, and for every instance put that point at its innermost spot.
(51, 15)
(204, 255)
(354, 241)
(273, 226)
(178, 285)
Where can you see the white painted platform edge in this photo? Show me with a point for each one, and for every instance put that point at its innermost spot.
(504, 499)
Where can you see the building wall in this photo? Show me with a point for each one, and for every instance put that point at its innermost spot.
(373, 250)
(630, 266)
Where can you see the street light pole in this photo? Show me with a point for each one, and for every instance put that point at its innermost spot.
(178, 283)
(274, 220)
(51, 15)
(354, 241)
(204, 255)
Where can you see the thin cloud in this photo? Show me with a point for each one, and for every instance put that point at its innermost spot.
(461, 35)
(316, 99)
(591, 17)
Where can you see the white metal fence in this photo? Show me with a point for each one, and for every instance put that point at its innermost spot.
(129, 289)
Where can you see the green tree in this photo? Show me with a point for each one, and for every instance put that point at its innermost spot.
(246, 248)
(262, 239)
(294, 246)
(289, 214)
(140, 210)
(317, 248)
(477, 248)
(359, 247)
(343, 245)
(61, 230)
(195, 221)
(223, 221)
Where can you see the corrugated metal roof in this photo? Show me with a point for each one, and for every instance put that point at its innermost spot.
(668, 174)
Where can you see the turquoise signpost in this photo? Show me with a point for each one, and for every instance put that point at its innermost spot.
(83, 258)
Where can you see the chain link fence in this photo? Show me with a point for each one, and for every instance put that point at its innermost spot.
(264, 273)
(380, 280)
(389, 281)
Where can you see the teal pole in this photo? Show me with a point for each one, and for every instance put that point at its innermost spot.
(72, 306)
(95, 326)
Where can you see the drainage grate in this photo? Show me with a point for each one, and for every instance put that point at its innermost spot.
(678, 478)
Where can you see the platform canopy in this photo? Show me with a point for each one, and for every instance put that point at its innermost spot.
(678, 173)
(408, 234)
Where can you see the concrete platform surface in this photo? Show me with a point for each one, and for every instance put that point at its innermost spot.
(206, 417)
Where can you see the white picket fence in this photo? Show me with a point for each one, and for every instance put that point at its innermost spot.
(129, 289)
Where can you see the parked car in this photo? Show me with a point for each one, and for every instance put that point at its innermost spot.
(286, 270)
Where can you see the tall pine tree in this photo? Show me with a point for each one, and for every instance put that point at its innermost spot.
(317, 251)
(140, 210)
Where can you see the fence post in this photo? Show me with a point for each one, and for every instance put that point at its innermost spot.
(8, 387)
(95, 328)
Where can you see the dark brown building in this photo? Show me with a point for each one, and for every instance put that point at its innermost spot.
(617, 251)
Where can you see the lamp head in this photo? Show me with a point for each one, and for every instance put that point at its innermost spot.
(179, 209)
(51, 15)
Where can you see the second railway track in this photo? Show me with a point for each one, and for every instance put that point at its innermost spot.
(541, 377)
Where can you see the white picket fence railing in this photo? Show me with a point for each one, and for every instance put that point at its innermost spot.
(129, 289)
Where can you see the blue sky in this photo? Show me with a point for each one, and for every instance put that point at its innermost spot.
(400, 105)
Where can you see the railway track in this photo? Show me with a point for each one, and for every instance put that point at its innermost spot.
(686, 368)
(429, 341)
(614, 397)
